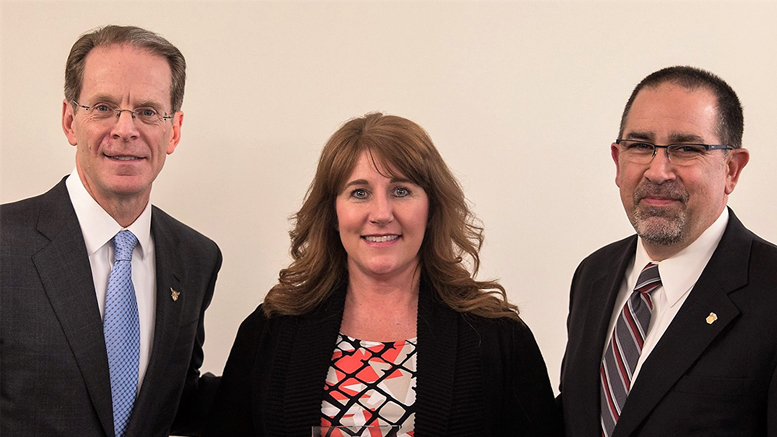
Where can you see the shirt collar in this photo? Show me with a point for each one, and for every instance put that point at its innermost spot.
(97, 226)
(680, 272)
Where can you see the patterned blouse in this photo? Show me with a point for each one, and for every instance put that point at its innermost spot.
(371, 383)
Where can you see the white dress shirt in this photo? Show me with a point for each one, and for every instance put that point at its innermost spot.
(679, 274)
(98, 229)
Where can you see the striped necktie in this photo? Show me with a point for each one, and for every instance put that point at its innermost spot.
(625, 347)
(121, 327)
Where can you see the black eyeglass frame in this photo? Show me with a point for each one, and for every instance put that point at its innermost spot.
(707, 147)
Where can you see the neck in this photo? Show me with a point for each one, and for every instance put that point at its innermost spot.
(365, 290)
(124, 209)
(381, 310)
(658, 252)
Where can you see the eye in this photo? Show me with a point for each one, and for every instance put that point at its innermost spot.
(101, 107)
(146, 112)
(639, 146)
(687, 150)
(359, 193)
(401, 192)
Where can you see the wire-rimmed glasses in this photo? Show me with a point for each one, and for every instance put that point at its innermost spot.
(103, 111)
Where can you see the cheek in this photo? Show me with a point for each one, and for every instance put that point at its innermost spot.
(342, 218)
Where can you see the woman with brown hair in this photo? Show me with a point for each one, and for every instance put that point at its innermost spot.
(379, 320)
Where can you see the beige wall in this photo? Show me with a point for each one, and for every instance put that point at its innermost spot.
(522, 98)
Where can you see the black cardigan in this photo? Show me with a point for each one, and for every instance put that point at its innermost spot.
(475, 376)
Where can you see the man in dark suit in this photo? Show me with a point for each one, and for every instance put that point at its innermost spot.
(687, 347)
(103, 295)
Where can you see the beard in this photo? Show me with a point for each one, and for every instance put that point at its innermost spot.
(659, 225)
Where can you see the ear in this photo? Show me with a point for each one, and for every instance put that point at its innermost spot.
(175, 138)
(737, 160)
(615, 151)
(67, 122)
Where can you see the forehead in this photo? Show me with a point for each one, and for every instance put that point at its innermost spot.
(127, 74)
(371, 165)
(671, 110)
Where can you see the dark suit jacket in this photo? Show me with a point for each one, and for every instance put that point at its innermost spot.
(476, 376)
(54, 363)
(715, 379)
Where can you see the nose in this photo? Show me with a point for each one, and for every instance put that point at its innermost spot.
(381, 212)
(660, 168)
(125, 127)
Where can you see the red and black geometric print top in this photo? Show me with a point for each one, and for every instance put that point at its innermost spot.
(371, 383)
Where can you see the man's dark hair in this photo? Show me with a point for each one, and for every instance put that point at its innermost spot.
(731, 122)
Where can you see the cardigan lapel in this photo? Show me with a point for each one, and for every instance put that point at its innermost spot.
(312, 346)
(599, 300)
(170, 271)
(437, 332)
(310, 343)
(64, 269)
(689, 334)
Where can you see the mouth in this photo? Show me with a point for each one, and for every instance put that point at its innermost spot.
(658, 201)
(653, 195)
(380, 238)
(123, 157)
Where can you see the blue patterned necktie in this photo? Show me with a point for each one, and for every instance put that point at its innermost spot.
(121, 327)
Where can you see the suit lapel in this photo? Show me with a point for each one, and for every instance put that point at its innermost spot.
(64, 269)
(170, 271)
(689, 334)
(591, 335)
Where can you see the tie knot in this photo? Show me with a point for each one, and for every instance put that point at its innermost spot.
(649, 279)
(124, 242)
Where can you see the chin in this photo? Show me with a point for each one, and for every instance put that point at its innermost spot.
(661, 231)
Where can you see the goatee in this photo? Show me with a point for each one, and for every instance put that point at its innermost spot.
(659, 225)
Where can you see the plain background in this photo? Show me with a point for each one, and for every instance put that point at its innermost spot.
(521, 98)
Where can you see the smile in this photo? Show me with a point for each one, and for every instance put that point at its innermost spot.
(123, 158)
(659, 201)
(381, 239)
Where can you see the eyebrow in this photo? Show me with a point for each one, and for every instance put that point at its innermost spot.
(359, 182)
(105, 98)
(674, 137)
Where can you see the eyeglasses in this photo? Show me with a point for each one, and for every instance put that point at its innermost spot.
(104, 111)
(641, 152)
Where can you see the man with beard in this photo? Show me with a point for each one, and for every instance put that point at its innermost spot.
(671, 330)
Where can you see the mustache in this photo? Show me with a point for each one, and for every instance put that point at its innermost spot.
(668, 190)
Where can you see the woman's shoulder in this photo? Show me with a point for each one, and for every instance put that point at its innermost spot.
(507, 331)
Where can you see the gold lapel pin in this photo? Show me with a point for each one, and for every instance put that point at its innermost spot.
(174, 294)
(711, 318)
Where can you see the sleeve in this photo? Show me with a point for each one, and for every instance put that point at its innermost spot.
(531, 385)
(199, 391)
(232, 414)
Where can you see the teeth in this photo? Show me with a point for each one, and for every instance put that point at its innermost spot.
(124, 158)
(382, 239)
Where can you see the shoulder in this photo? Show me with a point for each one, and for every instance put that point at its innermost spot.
(764, 251)
(263, 337)
(606, 257)
(29, 207)
(20, 214)
(738, 243)
(501, 333)
(183, 233)
(612, 250)
(20, 219)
